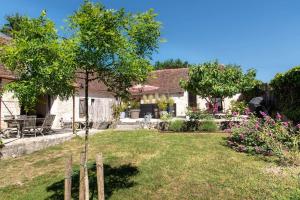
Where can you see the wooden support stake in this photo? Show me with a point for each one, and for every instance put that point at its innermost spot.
(86, 184)
(68, 178)
(100, 176)
(82, 178)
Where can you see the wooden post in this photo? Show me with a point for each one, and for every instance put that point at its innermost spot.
(100, 176)
(73, 114)
(82, 178)
(86, 183)
(68, 178)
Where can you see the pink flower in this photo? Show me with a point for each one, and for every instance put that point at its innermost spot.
(234, 113)
(278, 116)
(256, 125)
(216, 108)
(286, 124)
(247, 111)
(242, 137)
(263, 113)
(298, 126)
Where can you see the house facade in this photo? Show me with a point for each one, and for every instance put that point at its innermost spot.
(168, 83)
(100, 102)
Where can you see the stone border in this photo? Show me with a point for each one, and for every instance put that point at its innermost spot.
(19, 147)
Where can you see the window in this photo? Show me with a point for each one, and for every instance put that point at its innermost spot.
(192, 100)
(81, 107)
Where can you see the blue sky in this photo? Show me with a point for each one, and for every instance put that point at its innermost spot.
(262, 34)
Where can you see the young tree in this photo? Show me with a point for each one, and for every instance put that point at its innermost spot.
(113, 47)
(41, 61)
(212, 80)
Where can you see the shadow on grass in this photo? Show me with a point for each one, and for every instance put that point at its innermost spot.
(115, 178)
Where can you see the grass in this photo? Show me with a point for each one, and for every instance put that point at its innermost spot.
(151, 165)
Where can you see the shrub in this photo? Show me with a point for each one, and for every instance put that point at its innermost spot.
(176, 125)
(208, 126)
(191, 125)
(197, 114)
(238, 107)
(162, 104)
(117, 109)
(268, 137)
(166, 116)
(286, 87)
(134, 104)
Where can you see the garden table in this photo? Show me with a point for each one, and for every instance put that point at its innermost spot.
(18, 122)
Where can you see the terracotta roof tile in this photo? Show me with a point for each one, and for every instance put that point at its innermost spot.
(168, 80)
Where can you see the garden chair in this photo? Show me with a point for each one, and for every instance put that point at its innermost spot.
(12, 127)
(29, 126)
(46, 126)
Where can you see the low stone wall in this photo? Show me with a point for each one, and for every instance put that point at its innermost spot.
(21, 147)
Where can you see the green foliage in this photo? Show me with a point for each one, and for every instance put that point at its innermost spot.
(134, 104)
(268, 137)
(238, 107)
(117, 109)
(286, 87)
(208, 126)
(191, 125)
(171, 64)
(171, 102)
(213, 80)
(42, 62)
(177, 125)
(113, 45)
(256, 91)
(14, 23)
(197, 114)
(162, 104)
(166, 117)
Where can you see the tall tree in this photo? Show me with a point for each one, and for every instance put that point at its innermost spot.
(13, 23)
(42, 62)
(113, 47)
(171, 64)
(212, 80)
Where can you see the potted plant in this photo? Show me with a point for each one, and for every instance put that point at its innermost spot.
(162, 105)
(134, 109)
(171, 103)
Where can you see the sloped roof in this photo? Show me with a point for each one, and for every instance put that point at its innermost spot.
(168, 80)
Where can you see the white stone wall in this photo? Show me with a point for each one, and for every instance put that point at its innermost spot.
(63, 109)
(9, 106)
(181, 100)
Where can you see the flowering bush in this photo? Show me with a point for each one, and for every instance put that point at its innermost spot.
(267, 136)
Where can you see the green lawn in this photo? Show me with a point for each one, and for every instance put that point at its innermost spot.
(151, 165)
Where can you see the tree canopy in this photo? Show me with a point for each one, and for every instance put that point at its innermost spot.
(286, 87)
(171, 64)
(212, 80)
(114, 46)
(13, 22)
(42, 62)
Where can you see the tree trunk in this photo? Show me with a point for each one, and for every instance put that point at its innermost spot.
(86, 139)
